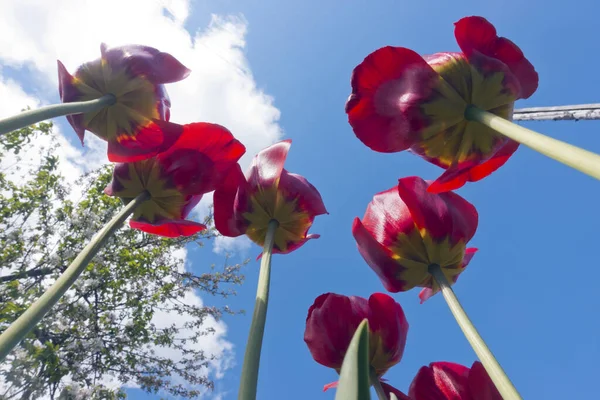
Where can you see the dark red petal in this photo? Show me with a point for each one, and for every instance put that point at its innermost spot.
(121, 170)
(169, 228)
(267, 164)
(476, 34)
(441, 381)
(330, 325)
(427, 293)
(387, 89)
(69, 93)
(228, 217)
(201, 157)
(378, 258)
(387, 320)
(295, 186)
(482, 387)
(156, 66)
(390, 389)
(445, 214)
(387, 216)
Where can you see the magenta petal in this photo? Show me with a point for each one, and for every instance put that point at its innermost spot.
(267, 164)
(295, 186)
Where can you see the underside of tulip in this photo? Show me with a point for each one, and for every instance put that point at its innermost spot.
(135, 75)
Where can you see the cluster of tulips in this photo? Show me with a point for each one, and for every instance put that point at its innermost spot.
(453, 109)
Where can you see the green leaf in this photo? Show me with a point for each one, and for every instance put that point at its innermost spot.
(354, 376)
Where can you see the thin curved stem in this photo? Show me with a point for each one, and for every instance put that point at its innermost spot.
(249, 379)
(491, 365)
(573, 156)
(55, 110)
(376, 383)
(27, 321)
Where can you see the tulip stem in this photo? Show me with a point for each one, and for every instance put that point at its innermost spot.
(491, 365)
(31, 117)
(249, 379)
(27, 321)
(377, 385)
(573, 156)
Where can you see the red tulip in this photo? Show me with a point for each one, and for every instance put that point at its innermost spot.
(449, 381)
(333, 319)
(177, 178)
(135, 76)
(405, 229)
(402, 101)
(246, 205)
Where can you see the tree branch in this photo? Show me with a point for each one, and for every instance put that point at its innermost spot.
(32, 273)
(558, 113)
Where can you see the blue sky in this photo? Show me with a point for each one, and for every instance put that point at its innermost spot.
(525, 290)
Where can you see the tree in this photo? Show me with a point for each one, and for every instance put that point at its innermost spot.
(103, 328)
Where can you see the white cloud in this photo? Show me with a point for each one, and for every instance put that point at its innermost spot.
(220, 89)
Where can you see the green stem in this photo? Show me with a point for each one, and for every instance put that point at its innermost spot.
(27, 321)
(376, 383)
(575, 157)
(249, 380)
(493, 368)
(55, 110)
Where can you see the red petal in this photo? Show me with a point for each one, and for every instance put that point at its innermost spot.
(169, 228)
(267, 164)
(390, 389)
(426, 293)
(445, 214)
(387, 320)
(69, 93)
(455, 177)
(330, 386)
(378, 258)
(476, 34)
(387, 89)
(228, 216)
(482, 387)
(292, 246)
(202, 156)
(156, 66)
(297, 187)
(330, 325)
(441, 381)
(147, 142)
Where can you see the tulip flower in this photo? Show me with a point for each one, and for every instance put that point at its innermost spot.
(450, 381)
(177, 178)
(406, 229)
(159, 192)
(134, 76)
(411, 237)
(246, 205)
(333, 319)
(275, 209)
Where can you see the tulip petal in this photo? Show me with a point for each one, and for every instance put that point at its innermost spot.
(476, 34)
(68, 93)
(201, 157)
(481, 385)
(390, 389)
(387, 89)
(227, 201)
(440, 214)
(267, 165)
(330, 386)
(169, 228)
(148, 141)
(389, 328)
(156, 66)
(379, 259)
(441, 381)
(296, 187)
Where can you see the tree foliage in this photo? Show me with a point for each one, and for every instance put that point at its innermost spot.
(105, 327)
